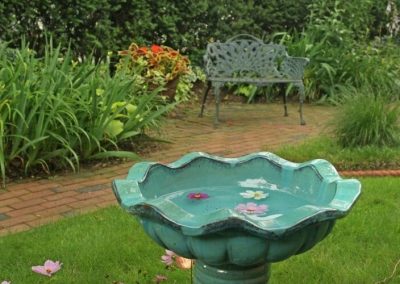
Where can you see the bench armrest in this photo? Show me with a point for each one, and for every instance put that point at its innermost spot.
(299, 60)
(294, 67)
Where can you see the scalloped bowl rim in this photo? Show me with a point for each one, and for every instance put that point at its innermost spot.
(129, 196)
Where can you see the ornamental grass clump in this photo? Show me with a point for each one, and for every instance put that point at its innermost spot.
(367, 119)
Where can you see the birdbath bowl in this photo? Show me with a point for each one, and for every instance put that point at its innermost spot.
(236, 216)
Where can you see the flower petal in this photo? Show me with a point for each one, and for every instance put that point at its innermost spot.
(183, 263)
(41, 270)
(241, 206)
(52, 266)
(246, 195)
(166, 259)
(260, 195)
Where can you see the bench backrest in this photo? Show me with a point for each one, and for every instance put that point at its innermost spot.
(248, 56)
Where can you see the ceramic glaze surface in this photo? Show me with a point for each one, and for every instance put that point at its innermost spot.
(298, 193)
(245, 211)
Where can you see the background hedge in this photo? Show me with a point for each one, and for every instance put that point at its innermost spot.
(110, 25)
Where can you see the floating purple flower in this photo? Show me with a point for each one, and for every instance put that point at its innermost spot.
(49, 268)
(197, 195)
(251, 208)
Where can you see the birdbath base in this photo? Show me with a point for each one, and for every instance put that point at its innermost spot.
(232, 274)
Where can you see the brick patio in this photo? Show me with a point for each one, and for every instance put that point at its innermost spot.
(247, 128)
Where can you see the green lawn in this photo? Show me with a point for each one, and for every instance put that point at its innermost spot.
(358, 158)
(109, 246)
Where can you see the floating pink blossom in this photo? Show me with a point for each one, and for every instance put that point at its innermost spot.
(197, 195)
(49, 268)
(168, 257)
(251, 208)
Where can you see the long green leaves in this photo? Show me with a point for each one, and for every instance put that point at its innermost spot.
(56, 112)
(367, 120)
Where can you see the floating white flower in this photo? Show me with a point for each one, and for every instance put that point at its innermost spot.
(257, 195)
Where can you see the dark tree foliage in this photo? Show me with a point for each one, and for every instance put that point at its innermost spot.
(100, 26)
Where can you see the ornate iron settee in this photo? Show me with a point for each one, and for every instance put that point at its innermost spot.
(247, 59)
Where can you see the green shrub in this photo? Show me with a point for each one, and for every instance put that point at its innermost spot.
(341, 57)
(56, 112)
(367, 119)
(105, 25)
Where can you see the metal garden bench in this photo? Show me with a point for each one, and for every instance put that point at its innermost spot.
(247, 59)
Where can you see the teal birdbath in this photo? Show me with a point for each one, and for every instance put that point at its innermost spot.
(236, 216)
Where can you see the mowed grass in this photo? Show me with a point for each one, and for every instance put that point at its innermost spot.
(357, 158)
(110, 246)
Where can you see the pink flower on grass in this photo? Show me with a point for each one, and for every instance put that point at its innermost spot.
(49, 268)
(6, 282)
(251, 208)
(160, 278)
(197, 195)
(168, 257)
(183, 263)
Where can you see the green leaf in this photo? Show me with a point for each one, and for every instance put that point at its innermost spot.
(114, 127)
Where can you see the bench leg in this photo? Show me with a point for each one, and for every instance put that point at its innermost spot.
(283, 93)
(205, 98)
(301, 95)
(217, 91)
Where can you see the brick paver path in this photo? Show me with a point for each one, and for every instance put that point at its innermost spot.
(247, 128)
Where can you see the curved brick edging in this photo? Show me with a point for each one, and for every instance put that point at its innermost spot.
(249, 128)
(371, 173)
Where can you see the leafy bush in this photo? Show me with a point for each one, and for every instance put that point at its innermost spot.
(104, 25)
(341, 57)
(55, 111)
(367, 119)
(160, 66)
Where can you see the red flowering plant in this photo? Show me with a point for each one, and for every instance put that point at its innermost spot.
(162, 65)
